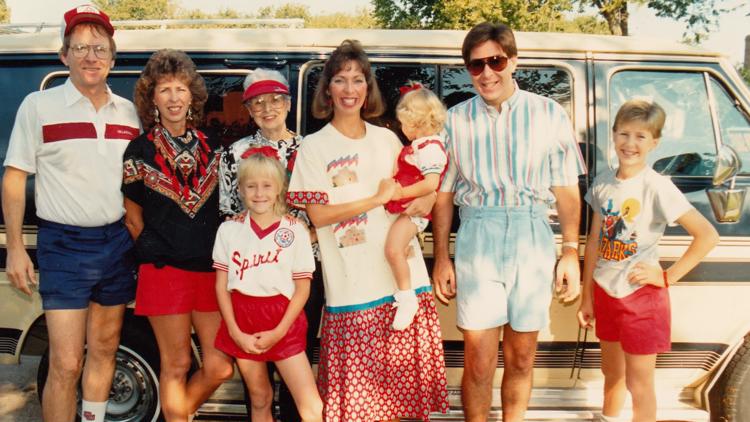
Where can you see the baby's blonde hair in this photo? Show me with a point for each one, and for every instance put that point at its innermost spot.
(421, 108)
(261, 165)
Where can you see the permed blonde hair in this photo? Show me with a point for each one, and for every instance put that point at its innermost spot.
(647, 112)
(421, 108)
(261, 165)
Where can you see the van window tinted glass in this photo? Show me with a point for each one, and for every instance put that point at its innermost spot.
(224, 113)
(734, 125)
(390, 78)
(687, 146)
(550, 82)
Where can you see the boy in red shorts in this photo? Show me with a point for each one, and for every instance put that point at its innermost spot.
(624, 287)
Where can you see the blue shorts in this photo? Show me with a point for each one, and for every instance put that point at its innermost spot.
(505, 260)
(78, 265)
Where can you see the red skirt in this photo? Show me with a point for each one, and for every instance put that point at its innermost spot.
(369, 372)
(262, 313)
(170, 291)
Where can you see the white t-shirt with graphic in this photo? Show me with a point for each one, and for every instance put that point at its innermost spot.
(334, 169)
(634, 213)
(263, 262)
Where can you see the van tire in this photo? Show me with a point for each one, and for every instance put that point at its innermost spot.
(135, 387)
(735, 386)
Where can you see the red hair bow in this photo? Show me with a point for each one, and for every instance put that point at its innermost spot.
(268, 151)
(411, 86)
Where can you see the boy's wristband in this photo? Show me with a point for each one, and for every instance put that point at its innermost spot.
(666, 280)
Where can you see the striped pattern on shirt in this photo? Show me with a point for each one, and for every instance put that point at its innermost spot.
(511, 157)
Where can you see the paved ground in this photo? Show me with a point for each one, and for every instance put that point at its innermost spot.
(18, 398)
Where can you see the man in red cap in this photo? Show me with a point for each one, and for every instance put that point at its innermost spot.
(72, 139)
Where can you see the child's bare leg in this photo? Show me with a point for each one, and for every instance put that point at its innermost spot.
(300, 380)
(613, 368)
(259, 388)
(639, 376)
(401, 233)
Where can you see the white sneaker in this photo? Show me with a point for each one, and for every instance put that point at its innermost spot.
(406, 307)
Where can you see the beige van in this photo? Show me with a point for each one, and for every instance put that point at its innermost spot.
(707, 373)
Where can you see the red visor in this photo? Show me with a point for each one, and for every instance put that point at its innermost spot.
(265, 87)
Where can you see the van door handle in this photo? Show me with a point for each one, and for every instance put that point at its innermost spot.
(252, 64)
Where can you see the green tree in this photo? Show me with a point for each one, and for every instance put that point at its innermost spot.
(4, 12)
(285, 11)
(138, 9)
(532, 15)
(700, 15)
(361, 18)
(745, 73)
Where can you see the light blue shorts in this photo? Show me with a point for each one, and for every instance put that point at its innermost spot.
(505, 260)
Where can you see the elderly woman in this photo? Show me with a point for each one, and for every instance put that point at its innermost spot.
(267, 99)
(342, 175)
(171, 202)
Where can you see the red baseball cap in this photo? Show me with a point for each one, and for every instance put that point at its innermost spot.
(85, 13)
(267, 86)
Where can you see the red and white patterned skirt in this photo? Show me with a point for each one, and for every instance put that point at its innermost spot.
(369, 372)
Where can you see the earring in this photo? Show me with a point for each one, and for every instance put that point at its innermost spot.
(156, 115)
(190, 113)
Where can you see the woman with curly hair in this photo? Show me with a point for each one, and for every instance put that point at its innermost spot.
(171, 193)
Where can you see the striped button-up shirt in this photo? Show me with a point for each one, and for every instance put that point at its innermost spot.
(511, 157)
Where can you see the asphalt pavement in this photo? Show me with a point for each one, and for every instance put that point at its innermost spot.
(18, 399)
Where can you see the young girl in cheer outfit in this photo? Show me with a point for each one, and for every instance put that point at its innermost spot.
(264, 264)
(420, 167)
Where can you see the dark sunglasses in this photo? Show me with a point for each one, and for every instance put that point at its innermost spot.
(496, 63)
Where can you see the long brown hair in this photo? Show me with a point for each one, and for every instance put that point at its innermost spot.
(349, 50)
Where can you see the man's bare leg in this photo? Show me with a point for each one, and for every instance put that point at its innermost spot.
(480, 362)
(67, 331)
(102, 339)
(519, 351)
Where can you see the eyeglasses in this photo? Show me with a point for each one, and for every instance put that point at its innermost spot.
(275, 101)
(496, 63)
(82, 50)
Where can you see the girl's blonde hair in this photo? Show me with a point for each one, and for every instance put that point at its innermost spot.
(421, 108)
(261, 165)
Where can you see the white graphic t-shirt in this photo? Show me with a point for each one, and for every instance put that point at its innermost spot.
(634, 213)
(334, 169)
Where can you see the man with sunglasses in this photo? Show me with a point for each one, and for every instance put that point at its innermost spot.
(72, 138)
(513, 154)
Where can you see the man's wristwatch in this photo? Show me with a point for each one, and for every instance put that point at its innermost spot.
(572, 245)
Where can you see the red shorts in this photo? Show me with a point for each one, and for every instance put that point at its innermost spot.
(640, 321)
(169, 291)
(254, 314)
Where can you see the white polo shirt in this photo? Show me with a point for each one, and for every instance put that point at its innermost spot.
(263, 262)
(75, 152)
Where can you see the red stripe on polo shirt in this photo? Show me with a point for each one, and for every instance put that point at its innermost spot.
(127, 133)
(67, 131)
